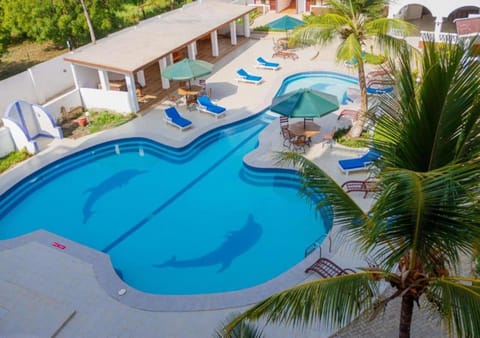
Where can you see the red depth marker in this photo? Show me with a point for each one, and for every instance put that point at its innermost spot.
(58, 245)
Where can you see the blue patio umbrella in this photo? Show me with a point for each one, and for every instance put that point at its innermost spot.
(304, 103)
(285, 23)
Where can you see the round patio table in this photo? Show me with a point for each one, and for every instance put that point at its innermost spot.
(308, 129)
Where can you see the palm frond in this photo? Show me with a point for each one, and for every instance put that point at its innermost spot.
(426, 213)
(384, 26)
(349, 48)
(336, 301)
(242, 330)
(320, 29)
(318, 186)
(458, 302)
(443, 109)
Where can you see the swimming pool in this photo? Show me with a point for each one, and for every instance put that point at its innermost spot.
(329, 82)
(173, 221)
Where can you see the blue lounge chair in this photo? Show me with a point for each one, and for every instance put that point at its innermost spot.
(379, 90)
(360, 163)
(173, 117)
(245, 77)
(262, 63)
(205, 105)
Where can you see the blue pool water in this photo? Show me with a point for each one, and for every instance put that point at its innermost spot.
(328, 82)
(174, 221)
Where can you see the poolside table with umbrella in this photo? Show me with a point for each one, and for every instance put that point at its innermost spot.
(305, 103)
(186, 70)
(285, 23)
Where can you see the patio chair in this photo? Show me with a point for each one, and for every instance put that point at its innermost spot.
(366, 186)
(262, 63)
(360, 163)
(249, 78)
(283, 122)
(288, 138)
(299, 143)
(328, 138)
(326, 268)
(353, 114)
(205, 105)
(173, 117)
(286, 54)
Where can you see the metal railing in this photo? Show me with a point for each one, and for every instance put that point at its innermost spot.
(317, 244)
(442, 37)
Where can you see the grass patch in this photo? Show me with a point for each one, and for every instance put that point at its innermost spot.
(13, 158)
(340, 138)
(106, 120)
(98, 120)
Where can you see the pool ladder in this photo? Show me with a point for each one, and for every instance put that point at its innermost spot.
(317, 244)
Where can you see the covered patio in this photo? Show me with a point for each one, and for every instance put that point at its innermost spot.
(122, 72)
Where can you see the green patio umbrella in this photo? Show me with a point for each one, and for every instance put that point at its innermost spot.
(285, 23)
(187, 69)
(305, 103)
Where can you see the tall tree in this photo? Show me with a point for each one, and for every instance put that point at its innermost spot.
(58, 20)
(89, 22)
(425, 217)
(354, 22)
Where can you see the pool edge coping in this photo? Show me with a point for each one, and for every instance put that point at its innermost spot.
(111, 283)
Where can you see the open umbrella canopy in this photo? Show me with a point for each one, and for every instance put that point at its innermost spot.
(285, 23)
(187, 69)
(305, 102)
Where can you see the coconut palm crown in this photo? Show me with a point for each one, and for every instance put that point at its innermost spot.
(422, 221)
(354, 22)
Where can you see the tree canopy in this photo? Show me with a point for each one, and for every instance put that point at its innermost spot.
(64, 20)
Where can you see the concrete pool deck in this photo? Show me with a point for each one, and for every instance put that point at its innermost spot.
(50, 291)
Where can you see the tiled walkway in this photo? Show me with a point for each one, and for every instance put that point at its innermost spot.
(46, 290)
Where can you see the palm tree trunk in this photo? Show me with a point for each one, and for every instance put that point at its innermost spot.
(357, 127)
(89, 22)
(406, 317)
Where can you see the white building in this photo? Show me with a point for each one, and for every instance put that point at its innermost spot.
(432, 15)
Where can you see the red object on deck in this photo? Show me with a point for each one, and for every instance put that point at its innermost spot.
(58, 245)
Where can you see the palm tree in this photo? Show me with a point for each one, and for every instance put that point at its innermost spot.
(354, 22)
(424, 219)
(89, 22)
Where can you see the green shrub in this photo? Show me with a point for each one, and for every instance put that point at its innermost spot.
(263, 28)
(13, 158)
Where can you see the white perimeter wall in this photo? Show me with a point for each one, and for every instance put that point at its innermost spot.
(68, 101)
(111, 100)
(38, 84)
(6, 142)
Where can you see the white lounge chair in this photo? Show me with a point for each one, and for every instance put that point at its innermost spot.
(249, 78)
(360, 163)
(262, 63)
(173, 117)
(205, 105)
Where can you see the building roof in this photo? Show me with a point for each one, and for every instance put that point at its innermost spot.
(131, 49)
